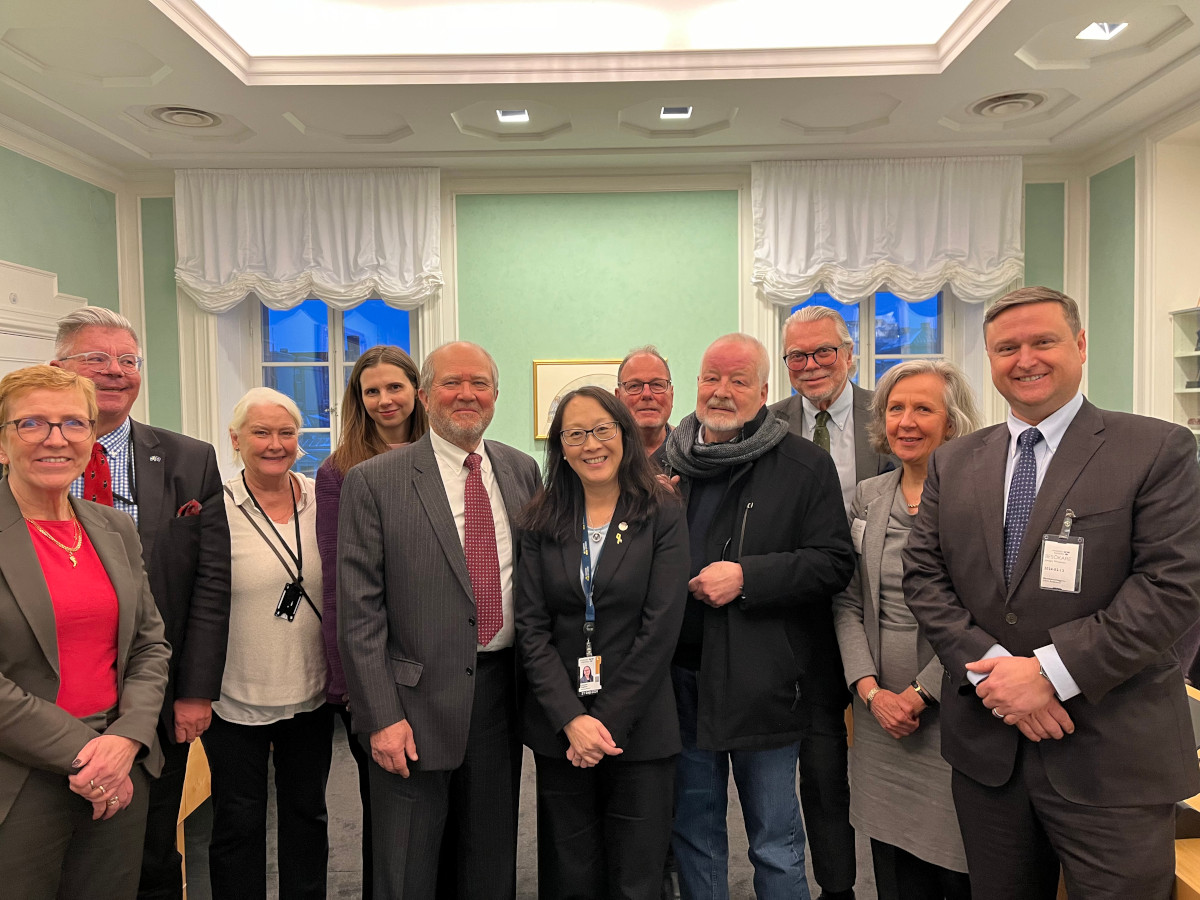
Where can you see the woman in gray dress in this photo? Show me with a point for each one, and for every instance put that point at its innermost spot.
(900, 785)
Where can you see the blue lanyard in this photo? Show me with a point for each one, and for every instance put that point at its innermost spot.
(589, 610)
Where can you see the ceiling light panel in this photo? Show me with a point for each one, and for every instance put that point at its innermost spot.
(513, 116)
(1102, 31)
(675, 112)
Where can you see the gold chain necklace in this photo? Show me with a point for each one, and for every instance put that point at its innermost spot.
(71, 551)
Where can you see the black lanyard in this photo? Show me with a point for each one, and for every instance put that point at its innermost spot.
(298, 556)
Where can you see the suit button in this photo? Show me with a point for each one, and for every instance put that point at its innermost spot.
(470, 671)
(1011, 618)
(471, 620)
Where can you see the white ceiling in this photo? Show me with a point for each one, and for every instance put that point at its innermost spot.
(89, 74)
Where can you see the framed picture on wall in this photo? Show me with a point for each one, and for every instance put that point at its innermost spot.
(552, 378)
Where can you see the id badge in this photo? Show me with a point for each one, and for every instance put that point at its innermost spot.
(288, 603)
(1062, 563)
(589, 675)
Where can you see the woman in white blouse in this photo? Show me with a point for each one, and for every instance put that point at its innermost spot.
(273, 693)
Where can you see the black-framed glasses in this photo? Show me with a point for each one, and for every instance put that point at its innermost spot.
(822, 356)
(605, 431)
(657, 386)
(35, 429)
(98, 360)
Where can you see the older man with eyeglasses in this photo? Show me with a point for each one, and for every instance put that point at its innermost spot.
(644, 385)
(171, 487)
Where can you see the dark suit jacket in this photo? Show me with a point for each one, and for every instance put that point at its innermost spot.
(406, 612)
(1134, 487)
(187, 558)
(34, 732)
(867, 463)
(640, 589)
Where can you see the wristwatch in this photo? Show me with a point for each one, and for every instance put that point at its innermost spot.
(871, 696)
(926, 697)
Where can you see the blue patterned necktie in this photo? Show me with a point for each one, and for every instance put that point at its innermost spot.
(1021, 493)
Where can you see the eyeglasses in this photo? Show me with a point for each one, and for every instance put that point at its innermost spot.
(98, 361)
(797, 360)
(35, 429)
(657, 386)
(605, 431)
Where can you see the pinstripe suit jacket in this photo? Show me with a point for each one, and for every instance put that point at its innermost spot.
(406, 612)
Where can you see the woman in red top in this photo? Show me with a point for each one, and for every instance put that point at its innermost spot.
(83, 661)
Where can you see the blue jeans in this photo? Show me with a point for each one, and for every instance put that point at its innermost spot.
(766, 784)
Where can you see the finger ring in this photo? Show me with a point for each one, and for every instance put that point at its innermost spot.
(91, 784)
(996, 712)
(100, 788)
(114, 801)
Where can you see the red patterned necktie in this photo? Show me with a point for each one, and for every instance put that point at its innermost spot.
(97, 479)
(483, 562)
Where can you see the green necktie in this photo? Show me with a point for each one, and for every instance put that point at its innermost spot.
(821, 432)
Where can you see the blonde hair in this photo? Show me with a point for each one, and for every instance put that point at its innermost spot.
(962, 414)
(51, 378)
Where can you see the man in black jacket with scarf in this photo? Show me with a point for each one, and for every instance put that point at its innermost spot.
(769, 540)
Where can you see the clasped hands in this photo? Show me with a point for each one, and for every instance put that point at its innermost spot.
(590, 741)
(102, 774)
(898, 714)
(717, 584)
(1016, 691)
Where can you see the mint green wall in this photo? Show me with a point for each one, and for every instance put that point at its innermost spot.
(1045, 234)
(57, 223)
(590, 276)
(1111, 248)
(161, 340)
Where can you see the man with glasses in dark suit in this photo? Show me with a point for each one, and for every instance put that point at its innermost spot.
(171, 487)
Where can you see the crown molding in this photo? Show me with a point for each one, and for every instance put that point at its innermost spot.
(20, 138)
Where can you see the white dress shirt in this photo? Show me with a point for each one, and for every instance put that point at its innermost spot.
(841, 438)
(452, 463)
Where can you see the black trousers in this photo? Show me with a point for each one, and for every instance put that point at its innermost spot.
(1016, 835)
(162, 866)
(50, 846)
(901, 876)
(453, 834)
(825, 797)
(300, 749)
(603, 831)
(362, 761)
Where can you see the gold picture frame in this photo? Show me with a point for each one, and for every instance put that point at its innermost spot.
(554, 377)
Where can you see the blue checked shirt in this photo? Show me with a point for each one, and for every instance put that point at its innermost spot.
(120, 465)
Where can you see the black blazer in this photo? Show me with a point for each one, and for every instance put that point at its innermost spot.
(186, 557)
(640, 592)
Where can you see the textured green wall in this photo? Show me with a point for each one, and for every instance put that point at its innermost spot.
(1111, 249)
(590, 276)
(1045, 234)
(57, 223)
(161, 340)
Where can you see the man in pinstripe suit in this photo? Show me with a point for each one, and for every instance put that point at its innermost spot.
(432, 692)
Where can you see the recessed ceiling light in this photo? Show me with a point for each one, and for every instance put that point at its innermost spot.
(675, 112)
(512, 116)
(1102, 31)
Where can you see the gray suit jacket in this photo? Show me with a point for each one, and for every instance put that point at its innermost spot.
(406, 612)
(867, 463)
(856, 609)
(1134, 487)
(34, 732)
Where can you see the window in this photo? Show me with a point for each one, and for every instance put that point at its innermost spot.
(307, 352)
(902, 331)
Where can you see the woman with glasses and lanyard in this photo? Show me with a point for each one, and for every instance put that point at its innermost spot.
(273, 693)
(600, 596)
(83, 661)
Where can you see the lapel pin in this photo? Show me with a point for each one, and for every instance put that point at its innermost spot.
(618, 537)
(156, 459)
(623, 526)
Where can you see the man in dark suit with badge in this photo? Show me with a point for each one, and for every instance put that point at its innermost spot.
(171, 487)
(1052, 566)
(425, 624)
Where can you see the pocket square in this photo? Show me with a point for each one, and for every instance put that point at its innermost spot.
(191, 508)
